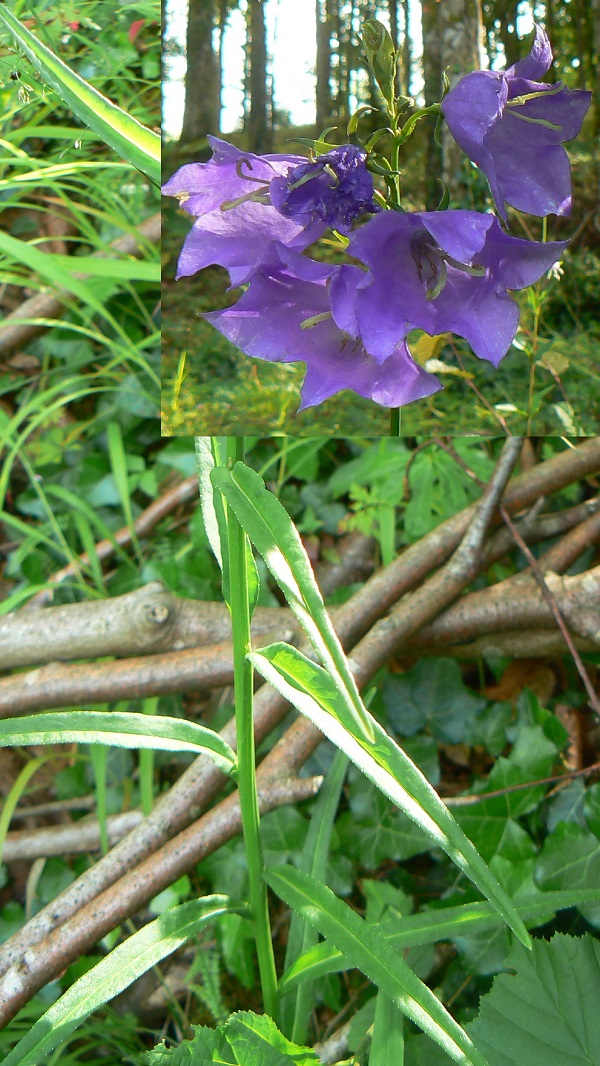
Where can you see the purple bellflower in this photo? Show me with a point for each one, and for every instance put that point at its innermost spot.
(242, 202)
(235, 221)
(337, 188)
(512, 126)
(285, 316)
(440, 271)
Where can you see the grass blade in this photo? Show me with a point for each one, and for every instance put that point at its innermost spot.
(129, 138)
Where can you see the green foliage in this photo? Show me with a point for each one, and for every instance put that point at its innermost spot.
(550, 1002)
(245, 1039)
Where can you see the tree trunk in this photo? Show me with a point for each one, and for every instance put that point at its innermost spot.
(202, 88)
(406, 53)
(259, 128)
(461, 41)
(323, 99)
(432, 73)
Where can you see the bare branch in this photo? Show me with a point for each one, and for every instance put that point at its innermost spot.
(73, 838)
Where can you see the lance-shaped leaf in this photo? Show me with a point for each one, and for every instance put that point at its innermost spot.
(273, 533)
(117, 971)
(314, 693)
(371, 954)
(129, 138)
(432, 926)
(122, 730)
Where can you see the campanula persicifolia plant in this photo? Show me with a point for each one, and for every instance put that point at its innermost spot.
(440, 271)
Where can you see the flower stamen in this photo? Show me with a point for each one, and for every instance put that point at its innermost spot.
(309, 323)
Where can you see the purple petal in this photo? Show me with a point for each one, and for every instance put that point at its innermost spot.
(267, 323)
(474, 309)
(460, 233)
(396, 381)
(224, 177)
(533, 177)
(239, 238)
(539, 60)
(472, 107)
(514, 263)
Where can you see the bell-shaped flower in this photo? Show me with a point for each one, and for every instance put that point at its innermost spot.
(235, 222)
(440, 271)
(337, 188)
(512, 126)
(285, 316)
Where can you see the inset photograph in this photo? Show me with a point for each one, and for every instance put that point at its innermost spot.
(379, 225)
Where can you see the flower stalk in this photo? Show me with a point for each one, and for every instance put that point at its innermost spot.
(243, 673)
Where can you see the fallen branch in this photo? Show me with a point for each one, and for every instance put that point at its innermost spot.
(151, 620)
(201, 782)
(73, 838)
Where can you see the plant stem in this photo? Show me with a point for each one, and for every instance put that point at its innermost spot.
(534, 342)
(240, 621)
(395, 421)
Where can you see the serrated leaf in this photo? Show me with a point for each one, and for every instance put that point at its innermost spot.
(547, 1012)
(256, 1041)
(570, 858)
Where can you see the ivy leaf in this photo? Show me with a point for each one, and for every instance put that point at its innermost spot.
(432, 694)
(548, 1010)
(570, 858)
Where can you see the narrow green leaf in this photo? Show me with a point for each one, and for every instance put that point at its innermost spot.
(120, 729)
(371, 954)
(387, 1045)
(273, 533)
(129, 138)
(432, 926)
(99, 756)
(118, 463)
(14, 795)
(116, 972)
(296, 1010)
(208, 458)
(310, 689)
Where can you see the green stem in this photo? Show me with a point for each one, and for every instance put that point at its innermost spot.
(395, 421)
(534, 340)
(240, 621)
